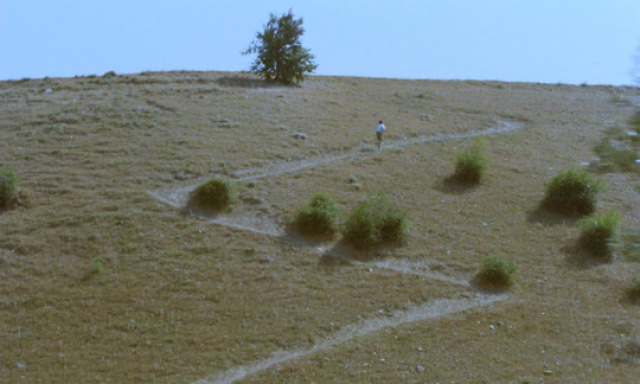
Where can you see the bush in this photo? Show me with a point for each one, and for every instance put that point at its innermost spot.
(471, 164)
(572, 192)
(600, 232)
(9, 192)
(376, 220)
(214, 194)
(319, 217)
(496, 271)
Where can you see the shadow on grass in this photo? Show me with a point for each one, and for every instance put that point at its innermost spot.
(544, 216)
(453, 184)
(293, 235)
(343, 252)
(631, 296)
(191, 209)
(579, 258)
(248, 82)
(488, 287)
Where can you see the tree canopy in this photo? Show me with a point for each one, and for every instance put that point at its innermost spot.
(281, 57)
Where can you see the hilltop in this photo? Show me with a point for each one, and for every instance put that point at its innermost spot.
(107, 275)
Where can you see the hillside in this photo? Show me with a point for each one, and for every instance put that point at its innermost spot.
(107, 275)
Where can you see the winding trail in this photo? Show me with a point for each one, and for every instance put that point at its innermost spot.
(177, 197)
(430, 310)
(364, 150)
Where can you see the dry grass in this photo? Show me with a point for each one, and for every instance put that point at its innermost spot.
(101, 281)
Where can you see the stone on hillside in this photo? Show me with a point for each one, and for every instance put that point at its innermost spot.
(300, 136)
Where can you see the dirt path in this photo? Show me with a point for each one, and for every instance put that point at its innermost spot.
(366, 150)
(177, 197)
(430, 310)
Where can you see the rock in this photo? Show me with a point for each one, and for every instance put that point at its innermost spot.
(419, 368)
(300, 136)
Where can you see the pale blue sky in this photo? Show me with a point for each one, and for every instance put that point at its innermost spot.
(547, 41)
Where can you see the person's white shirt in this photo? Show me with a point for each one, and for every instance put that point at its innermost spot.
(380, 128)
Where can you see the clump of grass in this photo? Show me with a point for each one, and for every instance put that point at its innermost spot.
(572, 192)
(96, 264)
(600, 233)
(471, 164)
(319, 217)
(496, 271)
(376, 220)
(634, 120)
(9, 191)
(214, 194)
(619, 147)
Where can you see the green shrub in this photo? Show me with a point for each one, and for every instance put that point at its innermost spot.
(376, 220)
(9, 192)
(496, 271)
(213, 194)
(471, 164)
(572, 192)
(319, 217)
(96, 264)
(600, 233)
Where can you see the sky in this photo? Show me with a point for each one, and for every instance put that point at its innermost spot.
(543, 41)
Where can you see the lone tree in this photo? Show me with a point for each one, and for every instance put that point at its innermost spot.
(281, 57)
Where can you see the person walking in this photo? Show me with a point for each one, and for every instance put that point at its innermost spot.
(379, 132)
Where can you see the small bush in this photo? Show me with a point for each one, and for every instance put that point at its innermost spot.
(471, 164)
(319, 217)
(572, 192)
(617, 150)
(214, 194)
(9, 192)
(496, 271)
(600, 233)
(96, 264)
(376, 220)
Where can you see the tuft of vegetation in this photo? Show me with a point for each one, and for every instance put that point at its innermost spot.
(281, 57)
(96, 264)
(214, 194)
(376, 220)
(618, 149)
(471, 164)
(600, 233)
(319, 217)
(9, 191)
(496, 271)
(572, 192)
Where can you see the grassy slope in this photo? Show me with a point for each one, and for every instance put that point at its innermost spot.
(181, 299)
